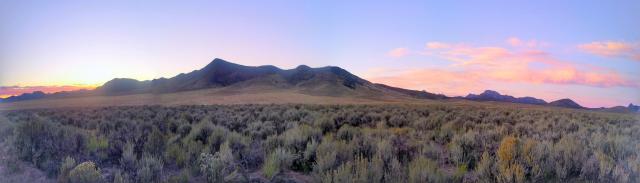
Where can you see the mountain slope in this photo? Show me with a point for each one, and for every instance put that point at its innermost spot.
(229, 78)
(235, 78)
(413, 93)
(220, 73)
(121, 86)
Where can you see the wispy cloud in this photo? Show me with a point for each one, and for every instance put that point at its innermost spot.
(533, 66)
(398, 52)
(433, 80)
(7, 91)
(517, 42)
(473, 65)
(626, 50)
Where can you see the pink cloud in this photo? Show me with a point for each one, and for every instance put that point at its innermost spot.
(439, 45)
(497, 63)
(7, 91)
(473, 65)
(517, 42)
(398, 52)
(613, 49)
(433, 80)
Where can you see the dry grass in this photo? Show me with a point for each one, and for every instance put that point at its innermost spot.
(253, 95)
(198, 97)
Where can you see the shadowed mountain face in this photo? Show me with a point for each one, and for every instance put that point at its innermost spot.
(323, 81)
(330, 81)
(220, 73)
(490, 95)
(568, 103)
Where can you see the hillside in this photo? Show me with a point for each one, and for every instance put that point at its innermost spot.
(230, 77)
(220, 73)
(221, 78)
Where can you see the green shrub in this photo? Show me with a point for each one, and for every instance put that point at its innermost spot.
(67, 165)
(212, 167)
(183, 177)
(325, 123)
(568, 157)
(85, 172)
(149, 169)
(277, 161)
(485, 170)
(476, 143)
(176, 153)
(347, 133)
(366, 170)
(395, 172)
(184, 130)
(218, 166)
(424, 170)
(6, 128)
(330, 154)
(155, 143)
(120, 177)
(296, 138)
(464, 149)
(397, 121)
(128, 161)
(97, 143)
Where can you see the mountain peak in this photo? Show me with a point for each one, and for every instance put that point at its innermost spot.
(490, 95)
(303, 67)
(565, 102)
(490, 92)
(219, 62)
(633, 108)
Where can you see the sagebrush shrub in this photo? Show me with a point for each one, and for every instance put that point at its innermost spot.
(85, 172)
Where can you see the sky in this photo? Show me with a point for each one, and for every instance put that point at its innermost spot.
(588, 51)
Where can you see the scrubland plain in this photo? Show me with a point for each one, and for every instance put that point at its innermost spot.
(375, 142)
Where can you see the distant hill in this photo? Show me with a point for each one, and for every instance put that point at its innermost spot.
(568, 103)
(490, 95)
(633, 108)
(328, 81)
(621, 109)
(25, 96)
(324, 81)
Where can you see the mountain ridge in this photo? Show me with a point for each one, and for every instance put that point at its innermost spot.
(221, 73)
(323, 81)
(490, 95)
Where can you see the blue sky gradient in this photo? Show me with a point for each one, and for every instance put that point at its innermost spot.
(56, 43)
